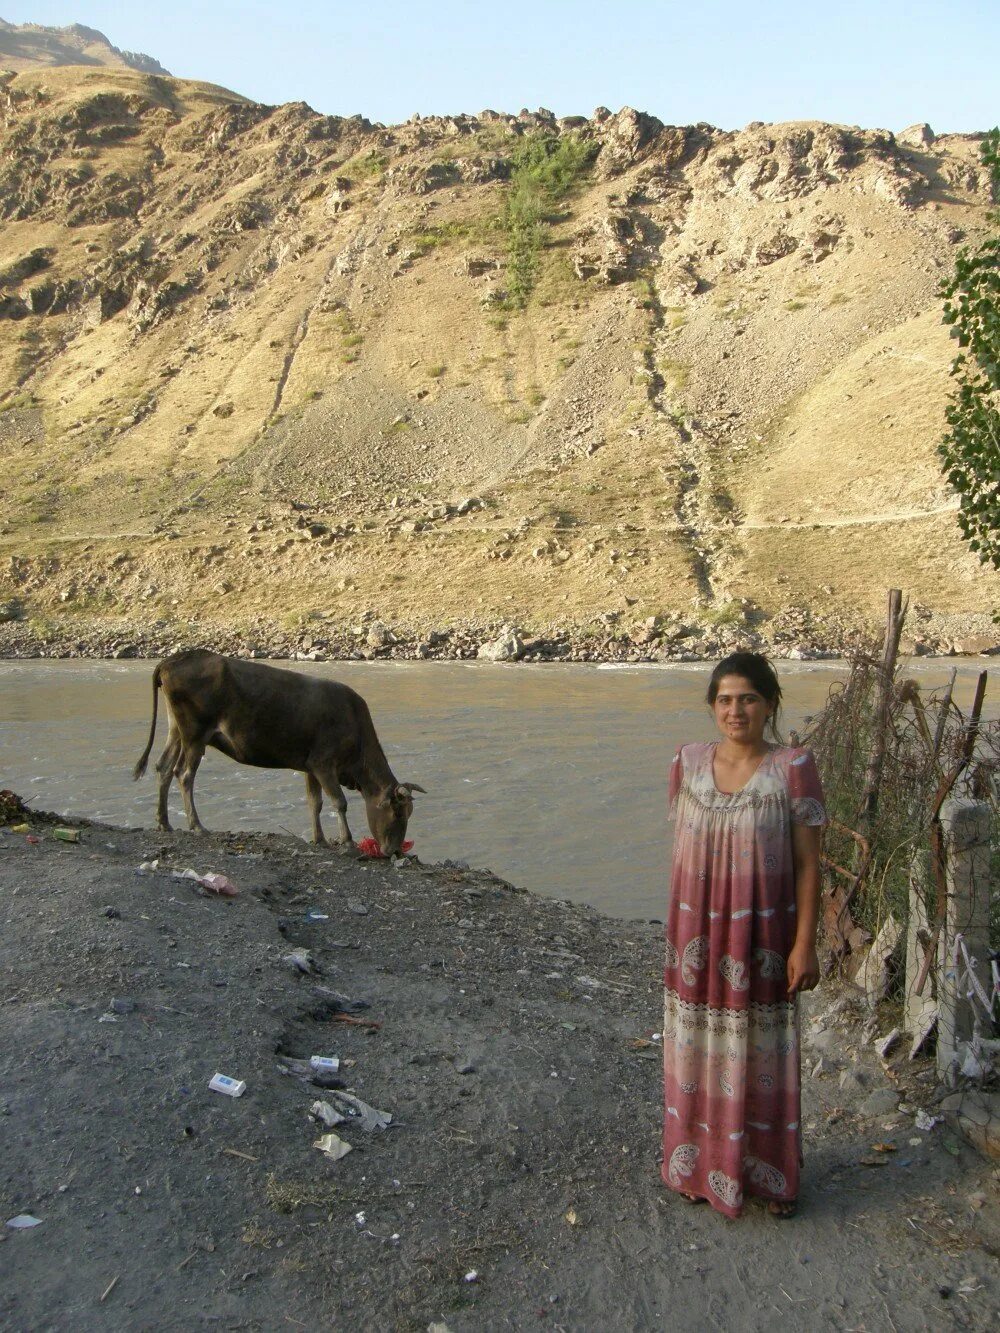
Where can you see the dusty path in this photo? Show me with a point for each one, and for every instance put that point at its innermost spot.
(515, 1054)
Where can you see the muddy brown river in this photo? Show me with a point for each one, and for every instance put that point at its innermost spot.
(553, 776)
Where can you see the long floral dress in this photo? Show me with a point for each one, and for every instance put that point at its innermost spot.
(730, 1032)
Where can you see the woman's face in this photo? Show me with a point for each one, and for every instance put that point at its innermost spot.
(741, 712)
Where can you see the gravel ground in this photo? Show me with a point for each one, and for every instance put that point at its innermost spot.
(512, 1039)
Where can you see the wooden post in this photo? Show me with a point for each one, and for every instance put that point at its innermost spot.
(895, 617)
(938, 850)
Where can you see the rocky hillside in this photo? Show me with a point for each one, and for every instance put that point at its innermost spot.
(31, 45)
(283, 374)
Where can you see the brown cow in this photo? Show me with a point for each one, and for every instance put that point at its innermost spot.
(271, 718)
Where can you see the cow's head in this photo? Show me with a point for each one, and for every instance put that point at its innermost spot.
(388, 813)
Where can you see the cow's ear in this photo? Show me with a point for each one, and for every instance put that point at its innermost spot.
(411, 787)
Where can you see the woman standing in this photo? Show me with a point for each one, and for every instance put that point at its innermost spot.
(741, 944)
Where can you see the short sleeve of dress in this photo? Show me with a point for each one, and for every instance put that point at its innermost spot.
(676, 778)
(805, 794)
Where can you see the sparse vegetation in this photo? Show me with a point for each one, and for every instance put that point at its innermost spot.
(425, 239)
(645, 291)
(724, 613)
(365, 166)
(436, 370)
(545, 170)
(674, 373)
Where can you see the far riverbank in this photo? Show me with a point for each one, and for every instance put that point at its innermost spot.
(616, 637)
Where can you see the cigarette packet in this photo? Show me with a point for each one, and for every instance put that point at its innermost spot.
(327, 1063)
(232, 1087)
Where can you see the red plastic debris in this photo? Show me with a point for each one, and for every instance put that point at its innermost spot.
(369, 847)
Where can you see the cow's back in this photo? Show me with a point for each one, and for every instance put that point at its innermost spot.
(266, 715)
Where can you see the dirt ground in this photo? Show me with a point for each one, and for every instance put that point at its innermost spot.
(512, 1041)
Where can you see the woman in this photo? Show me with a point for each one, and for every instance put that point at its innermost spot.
(740, 946)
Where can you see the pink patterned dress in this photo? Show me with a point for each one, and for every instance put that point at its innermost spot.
(730, 1033)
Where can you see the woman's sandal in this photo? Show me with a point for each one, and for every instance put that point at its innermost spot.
(782, 1208)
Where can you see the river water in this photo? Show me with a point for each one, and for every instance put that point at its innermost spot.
(553, 776)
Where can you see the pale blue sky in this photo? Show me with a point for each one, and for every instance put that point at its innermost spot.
(883, 63)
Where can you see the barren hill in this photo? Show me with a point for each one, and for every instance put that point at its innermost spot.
(268, 369)
(31, 45)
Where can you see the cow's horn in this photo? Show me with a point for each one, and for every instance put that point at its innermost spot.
(411, 787)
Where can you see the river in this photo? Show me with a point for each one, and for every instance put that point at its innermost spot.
(553, 776)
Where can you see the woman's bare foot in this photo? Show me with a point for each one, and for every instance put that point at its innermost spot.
(782, 1208)
(690, 1198)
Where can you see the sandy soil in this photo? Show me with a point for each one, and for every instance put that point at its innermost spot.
(514, 1049)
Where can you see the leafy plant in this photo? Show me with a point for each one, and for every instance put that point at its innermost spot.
(970, 451)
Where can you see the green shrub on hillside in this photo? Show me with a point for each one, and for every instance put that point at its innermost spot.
(545, 170)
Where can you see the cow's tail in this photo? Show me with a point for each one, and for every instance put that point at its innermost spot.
(140, 767)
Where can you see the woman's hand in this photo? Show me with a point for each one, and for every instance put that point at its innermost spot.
(803, 968)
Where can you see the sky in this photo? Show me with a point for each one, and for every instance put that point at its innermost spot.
(881, 63)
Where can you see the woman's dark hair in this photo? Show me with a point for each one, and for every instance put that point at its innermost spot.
(755, 668)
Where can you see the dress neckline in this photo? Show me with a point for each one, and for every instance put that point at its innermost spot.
(752, 778)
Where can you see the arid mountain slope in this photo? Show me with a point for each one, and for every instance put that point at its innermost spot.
(31, 45)
(256, 358)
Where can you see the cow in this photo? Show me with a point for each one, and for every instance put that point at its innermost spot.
(271, 718)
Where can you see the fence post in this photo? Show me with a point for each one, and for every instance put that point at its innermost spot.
(963, 945)
(920, 1010)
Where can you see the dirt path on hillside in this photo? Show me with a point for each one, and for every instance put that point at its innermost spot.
(511, 1038)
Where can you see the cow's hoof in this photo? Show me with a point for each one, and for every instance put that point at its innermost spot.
(165, 828)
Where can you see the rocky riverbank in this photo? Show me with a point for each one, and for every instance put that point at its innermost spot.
(513, 1041)
(798, 636)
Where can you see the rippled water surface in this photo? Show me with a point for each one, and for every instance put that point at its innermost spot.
(553, 776)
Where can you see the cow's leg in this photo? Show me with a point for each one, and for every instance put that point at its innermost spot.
(165, 766)
(314, 795)
(193, 755)
(331, 786)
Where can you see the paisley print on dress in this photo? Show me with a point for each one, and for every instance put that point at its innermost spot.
(694, 958)
(726, 1085)
(766, 1176)
(673, 957)
(734, 971)
(682, 1161)
(725, 1188)
(807, 810)
(771, 964)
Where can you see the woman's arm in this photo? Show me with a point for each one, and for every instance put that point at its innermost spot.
(803, 963)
